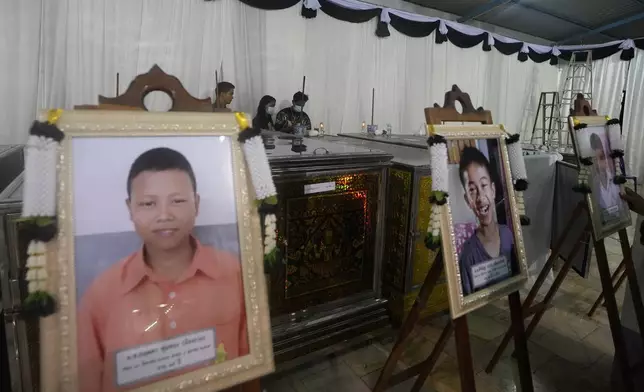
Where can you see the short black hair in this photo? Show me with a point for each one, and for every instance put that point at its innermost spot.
(469, 156)
(300, 97)
(596, 142)
(224, 87)
(157, 160)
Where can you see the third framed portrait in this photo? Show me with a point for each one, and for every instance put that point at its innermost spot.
(608, 212)
(483, 248)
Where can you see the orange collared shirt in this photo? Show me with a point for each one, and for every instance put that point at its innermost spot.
(128, 305)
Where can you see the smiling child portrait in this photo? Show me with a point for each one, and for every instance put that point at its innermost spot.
(157, 259)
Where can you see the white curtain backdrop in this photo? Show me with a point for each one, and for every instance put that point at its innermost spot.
(66, 52)
(633, 126)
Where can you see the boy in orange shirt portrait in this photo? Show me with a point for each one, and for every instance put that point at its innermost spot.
(170, 291)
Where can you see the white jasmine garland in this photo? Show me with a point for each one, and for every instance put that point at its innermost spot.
(270, 233)
(517, 162)
(48, 166)
(440, 186)
(438, 164)
(615, 137)
(583, 141)
(260, 170)
(36, 267)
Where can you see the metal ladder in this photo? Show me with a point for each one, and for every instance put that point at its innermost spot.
(579, 78)
(547, 118)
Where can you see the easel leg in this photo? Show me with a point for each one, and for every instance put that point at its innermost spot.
(537, 285)
(520, 342)
(409, 324)
(428, 364)
(633, 284)
(557, 283)
(613, 316)
(464, 355)
(600, 300)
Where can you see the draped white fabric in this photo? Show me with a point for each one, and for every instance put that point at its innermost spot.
(609, 80)
(72, 53)
(633, 127)
(19, 55)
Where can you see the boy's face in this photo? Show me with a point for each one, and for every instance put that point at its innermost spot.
(480, 193)
(602, 162)
(163, 207)
(227, 98)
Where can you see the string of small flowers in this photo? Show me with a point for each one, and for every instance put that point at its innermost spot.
(438, 196)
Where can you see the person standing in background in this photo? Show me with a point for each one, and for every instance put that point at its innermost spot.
(224, 94)
(265, 111)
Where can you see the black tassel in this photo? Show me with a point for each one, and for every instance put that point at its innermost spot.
(582, 189)
(619, 180)
(47, 130)
(266, 208)
(39, 304)
(513, 139)
(525, 221)
(617, 154)
(613, 121)
(627, 54)
(523, 57)
(521, 185)
(39, 231)
(248, 134)
(554, 60)
(440, 38)
(436, 139)
(586, 161)
(486, 46)
(439, 202)
(580, 126)
(308, 13)
(382, 30)
(431, 242)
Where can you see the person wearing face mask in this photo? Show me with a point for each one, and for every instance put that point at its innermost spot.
(265, 111)
(289, 118)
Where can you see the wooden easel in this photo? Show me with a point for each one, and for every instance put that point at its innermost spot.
(437, 115)
(582, 108)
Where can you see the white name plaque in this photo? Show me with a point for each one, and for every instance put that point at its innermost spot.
(319, 188)
(490, 271)
(154, 359)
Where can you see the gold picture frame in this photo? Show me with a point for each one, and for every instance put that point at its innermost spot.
(457, 137)
(600, 230)
(59, 345)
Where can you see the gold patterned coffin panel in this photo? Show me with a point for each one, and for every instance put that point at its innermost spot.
(23, 333)
(400, 292)
(330, 240)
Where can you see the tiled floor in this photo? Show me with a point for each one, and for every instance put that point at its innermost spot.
(568, 351)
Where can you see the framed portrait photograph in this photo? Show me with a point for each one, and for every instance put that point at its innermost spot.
(483, 247)
(608, 212)
(159, 254)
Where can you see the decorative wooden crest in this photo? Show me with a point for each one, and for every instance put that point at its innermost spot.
(154, 80)
(448, 113)
(581, 107)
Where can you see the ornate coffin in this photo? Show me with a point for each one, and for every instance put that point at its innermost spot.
(330, 216)
(406, 259)
(19, 336)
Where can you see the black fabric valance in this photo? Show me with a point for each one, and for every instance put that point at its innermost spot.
(463, 36)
